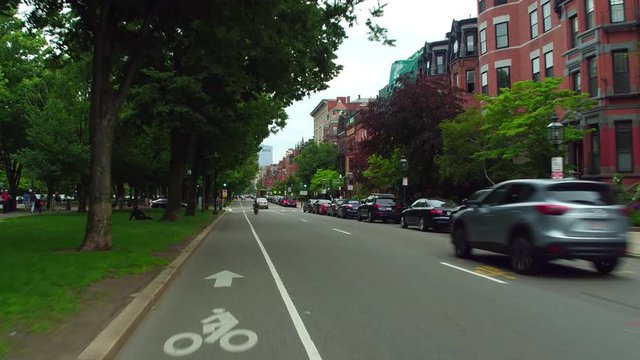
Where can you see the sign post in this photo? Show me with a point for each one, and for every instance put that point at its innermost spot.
(557, 171)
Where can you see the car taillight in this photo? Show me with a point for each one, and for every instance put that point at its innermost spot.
(555, 249)
(548, 209)
(377, 206)
(436, 212)
(349, 206)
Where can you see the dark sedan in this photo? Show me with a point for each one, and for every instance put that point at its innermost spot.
(349, 208)
(428, 214)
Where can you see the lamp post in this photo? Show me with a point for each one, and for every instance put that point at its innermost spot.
(555, 136)
(405, 180)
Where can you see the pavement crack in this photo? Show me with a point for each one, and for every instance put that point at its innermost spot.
(631, 306)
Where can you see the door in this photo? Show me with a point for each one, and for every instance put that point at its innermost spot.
(505, 216)
(482, 220)
(411, 215)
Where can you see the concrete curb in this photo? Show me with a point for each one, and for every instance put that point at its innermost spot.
(110, 340)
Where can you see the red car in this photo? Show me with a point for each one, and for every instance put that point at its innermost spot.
(289, 202)
(323, 206)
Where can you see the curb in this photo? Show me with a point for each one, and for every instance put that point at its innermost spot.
(111, 339)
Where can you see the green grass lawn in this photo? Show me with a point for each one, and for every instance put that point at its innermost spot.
(42, 275)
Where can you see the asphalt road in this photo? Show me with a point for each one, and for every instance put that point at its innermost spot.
(315, 287)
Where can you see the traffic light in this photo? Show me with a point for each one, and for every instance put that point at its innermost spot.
(305, 186)
(225, 184)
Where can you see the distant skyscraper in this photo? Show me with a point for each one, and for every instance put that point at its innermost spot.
(266, 155)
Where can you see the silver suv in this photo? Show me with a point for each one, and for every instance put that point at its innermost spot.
(537, 220)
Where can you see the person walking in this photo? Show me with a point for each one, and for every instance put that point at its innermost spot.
(34, 199)
(26, 201)
(6, 201)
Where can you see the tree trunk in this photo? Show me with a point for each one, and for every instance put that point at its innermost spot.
(83, 190)
(177, 165)
(206, 192)
(13, 170)
(192, 193)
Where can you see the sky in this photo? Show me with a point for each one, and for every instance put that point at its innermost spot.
(366, 64)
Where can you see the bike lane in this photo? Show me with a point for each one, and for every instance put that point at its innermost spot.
(241, 317)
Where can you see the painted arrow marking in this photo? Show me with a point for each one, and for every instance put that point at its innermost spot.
(223, 278)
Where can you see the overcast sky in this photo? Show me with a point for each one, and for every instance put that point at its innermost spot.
(366, 64)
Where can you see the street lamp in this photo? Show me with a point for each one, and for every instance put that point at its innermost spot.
(555, 136)
(405, 180)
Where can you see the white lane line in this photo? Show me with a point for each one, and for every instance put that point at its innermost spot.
(342, 231)
(279, 213)
(307, 342)
(474, 273)
(303, 220)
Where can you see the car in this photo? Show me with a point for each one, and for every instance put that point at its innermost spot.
(316, 205)
(428, 213)
(308, 206)
(262, 203)
(162, 203)
(379, 206)
(473, 197)
(289, 202)
(348, 208)
(334, 206)
(322, 206)
(533, 221)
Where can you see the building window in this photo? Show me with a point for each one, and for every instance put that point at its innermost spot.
(546, 17)
(471, 44)
(589, 14)
(592, 69)
(499, 2)
(574, 31)
(617, 10)
(502, 35)
(483, 41)
(533, 23)
(576, 84)
(471, 81)
(548, 64)
(620, 72)
(485, 83)
(481, 6)
(455, 80)
(624, 146)
(504, 77)
(595, 151)
(439, 64)
(535, 69)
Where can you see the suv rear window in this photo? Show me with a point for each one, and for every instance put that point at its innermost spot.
(583, 193)
(386, 202)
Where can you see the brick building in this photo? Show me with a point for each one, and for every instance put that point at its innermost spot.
(591, 44)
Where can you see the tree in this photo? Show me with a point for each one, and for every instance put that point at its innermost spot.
(409, 121)
(516, 124)
(325, 179)
(462, 138)
(286, 48)
(384, 173)
(313, 157)
(21, 65)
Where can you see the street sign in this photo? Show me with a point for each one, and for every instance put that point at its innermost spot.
(303, 192)
(223, 278)
(289, 189)
(224, 193)
(557, 168)
(405, 181)
(350, 187)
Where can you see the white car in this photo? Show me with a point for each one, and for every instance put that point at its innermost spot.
(262, 203)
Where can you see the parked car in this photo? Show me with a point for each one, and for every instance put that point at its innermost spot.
(334, 206)
(348, 208)
(379, 206)
(289, 202)
(322, 206)
(162, 203)
(428, 214)
(473, 197)
(262, 203)
(308, 206)
(537, 220)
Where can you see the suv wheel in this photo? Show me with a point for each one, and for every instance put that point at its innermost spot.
(422, 226)
(605, 266)
(359, 218)
(370, 216)
(403, 222)
(460, 243)
(523, 257)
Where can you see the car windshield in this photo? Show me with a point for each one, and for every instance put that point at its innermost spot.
(478, 194)
(352, 202)
(387, 202)
(440, 203)
(583, 193)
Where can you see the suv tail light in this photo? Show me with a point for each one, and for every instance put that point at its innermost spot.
(549, 209)
(349, 206)
(436, 212)
(377, 206)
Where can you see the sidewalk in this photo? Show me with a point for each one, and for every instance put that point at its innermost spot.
(634, 242)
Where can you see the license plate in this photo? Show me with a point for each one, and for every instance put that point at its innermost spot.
(385, 209)
(596, 225)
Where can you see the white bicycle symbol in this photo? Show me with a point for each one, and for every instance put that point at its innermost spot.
(216, 327)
